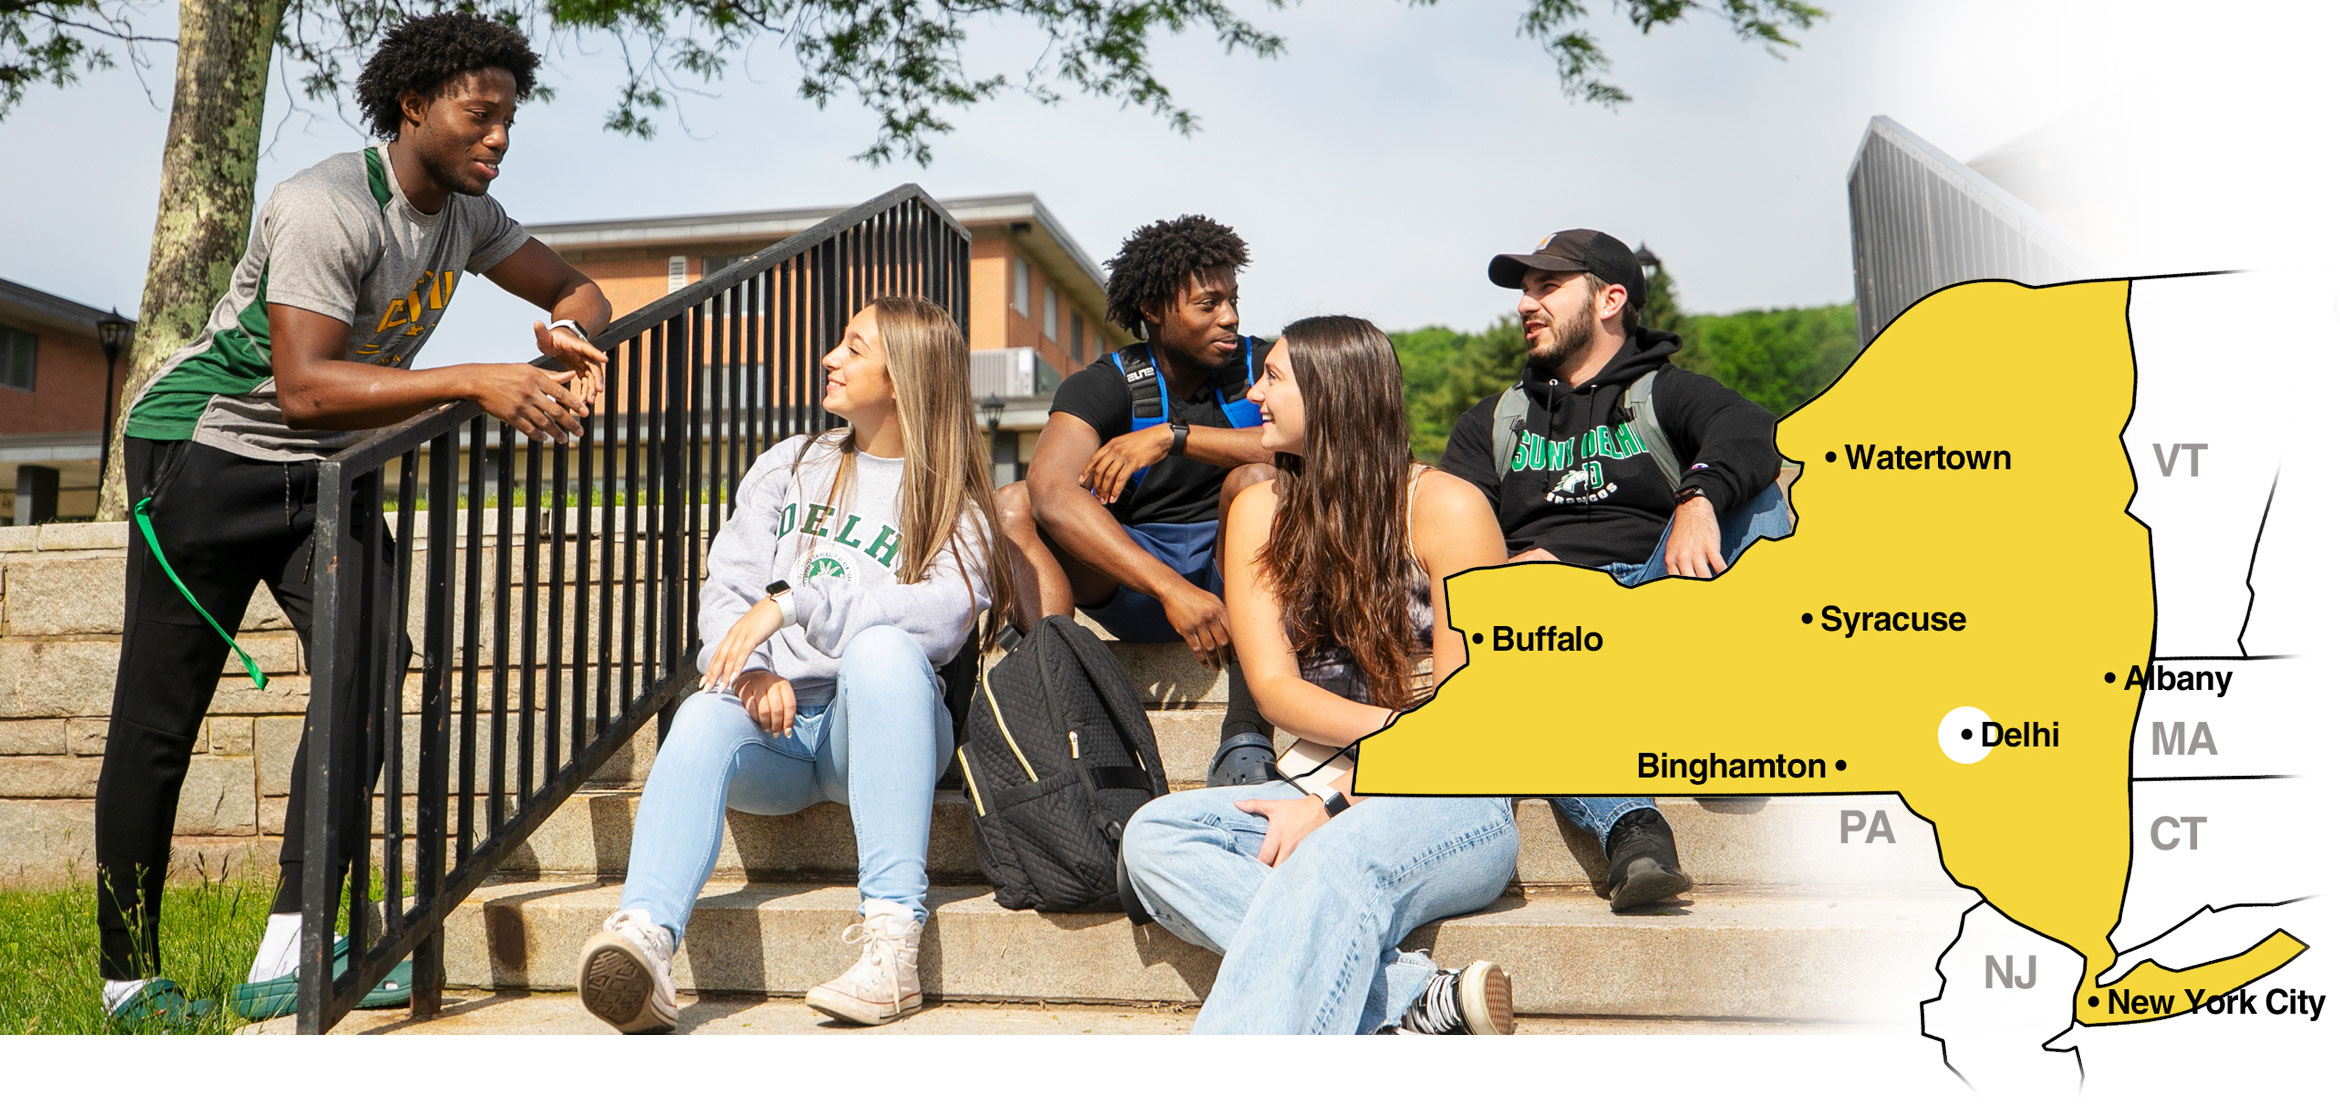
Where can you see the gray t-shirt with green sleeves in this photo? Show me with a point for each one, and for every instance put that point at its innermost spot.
(339, 239)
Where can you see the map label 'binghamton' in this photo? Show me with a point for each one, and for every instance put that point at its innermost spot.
(1660, 764)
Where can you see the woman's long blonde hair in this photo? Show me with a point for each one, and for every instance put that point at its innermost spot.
(946, 464)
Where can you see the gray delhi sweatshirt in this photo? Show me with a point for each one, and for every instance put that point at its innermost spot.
(839, 558)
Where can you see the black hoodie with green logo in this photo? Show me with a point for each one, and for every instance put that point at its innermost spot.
(1585, 488)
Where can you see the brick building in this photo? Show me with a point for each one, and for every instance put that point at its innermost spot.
(1036, 299)
(52, 404)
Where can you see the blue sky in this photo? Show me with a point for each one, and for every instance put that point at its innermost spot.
(1374, 167)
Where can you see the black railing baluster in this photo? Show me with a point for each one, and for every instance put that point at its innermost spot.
(581, 603)
(674, 495)
(694, 444)
(430, 855)
(556, 604)
(633, 385)
(727, 413)
(500, 686)
(531, 583)
(393, 675)
(474, 599)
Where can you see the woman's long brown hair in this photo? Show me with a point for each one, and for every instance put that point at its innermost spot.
(1336, 555)
(946, 466)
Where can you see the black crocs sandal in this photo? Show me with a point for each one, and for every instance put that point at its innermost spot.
(1241, 763)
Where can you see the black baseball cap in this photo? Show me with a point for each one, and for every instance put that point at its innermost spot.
(1576, 249)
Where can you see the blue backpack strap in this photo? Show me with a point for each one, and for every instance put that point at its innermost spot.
(1234, 385)
(1149, 399)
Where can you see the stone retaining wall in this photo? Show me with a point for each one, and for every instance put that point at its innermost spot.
(60, 640)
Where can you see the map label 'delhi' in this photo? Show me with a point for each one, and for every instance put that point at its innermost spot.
(2027, 734)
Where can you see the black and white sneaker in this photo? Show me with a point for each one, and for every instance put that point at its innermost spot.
(1474, 1000)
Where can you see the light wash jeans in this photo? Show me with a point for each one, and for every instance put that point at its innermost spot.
(1765, 516)
(875, 747)
(1311, 947)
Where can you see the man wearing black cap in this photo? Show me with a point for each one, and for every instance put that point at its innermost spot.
(1605, 455)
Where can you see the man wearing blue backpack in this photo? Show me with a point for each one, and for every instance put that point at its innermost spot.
(1121, 512)
(1606, 455)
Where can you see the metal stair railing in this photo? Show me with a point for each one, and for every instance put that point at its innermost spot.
(699, 383)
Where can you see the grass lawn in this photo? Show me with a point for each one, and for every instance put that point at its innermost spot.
(48, 952)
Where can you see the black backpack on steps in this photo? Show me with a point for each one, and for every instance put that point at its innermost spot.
(1057, 753)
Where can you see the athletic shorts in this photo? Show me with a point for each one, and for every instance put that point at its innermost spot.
(1134, 617)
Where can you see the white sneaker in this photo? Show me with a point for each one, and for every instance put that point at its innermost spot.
(883, 985)
(625, 976)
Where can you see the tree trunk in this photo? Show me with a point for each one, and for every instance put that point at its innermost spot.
(210, 160)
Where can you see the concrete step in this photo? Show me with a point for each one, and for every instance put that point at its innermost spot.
(1733, 953)
(555, 1012)
(1723, 841)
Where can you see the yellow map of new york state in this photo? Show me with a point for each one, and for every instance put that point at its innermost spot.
(1777, 679)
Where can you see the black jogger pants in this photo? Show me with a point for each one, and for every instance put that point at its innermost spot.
(226, 524)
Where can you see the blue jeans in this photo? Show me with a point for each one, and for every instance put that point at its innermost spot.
(875, 747)
(1311, 947)
(1765, 516)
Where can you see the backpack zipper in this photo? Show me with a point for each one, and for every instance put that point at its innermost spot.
(1074, 738)
(972, 792)
(1010, 737)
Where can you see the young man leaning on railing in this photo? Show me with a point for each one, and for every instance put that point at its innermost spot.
(350, 266)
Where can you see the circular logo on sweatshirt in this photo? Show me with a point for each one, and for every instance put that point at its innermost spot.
(822, 564)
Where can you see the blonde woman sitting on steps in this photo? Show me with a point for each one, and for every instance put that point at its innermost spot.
(855, 563)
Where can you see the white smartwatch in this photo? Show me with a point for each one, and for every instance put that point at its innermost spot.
(571, 326)
(777, 592)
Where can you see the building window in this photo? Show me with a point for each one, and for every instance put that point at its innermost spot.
(1080, 339)
(678, 273)
(1047, 310)
(1023, 291)
(16, 358)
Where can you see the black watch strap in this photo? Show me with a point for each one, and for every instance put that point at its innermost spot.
(1177, 438)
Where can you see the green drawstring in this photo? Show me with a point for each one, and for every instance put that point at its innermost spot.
(146, 527)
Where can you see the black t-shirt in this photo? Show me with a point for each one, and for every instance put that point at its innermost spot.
(1176, 489)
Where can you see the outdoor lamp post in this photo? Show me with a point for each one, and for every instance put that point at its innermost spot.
(993, 408)
(1648, 260)
(113, 332)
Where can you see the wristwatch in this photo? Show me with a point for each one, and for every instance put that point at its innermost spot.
(571, 326)
(1686, 493)
(1177, 438)
(1334, 802)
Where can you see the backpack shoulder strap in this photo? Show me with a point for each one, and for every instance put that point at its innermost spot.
(1149, 401)
(1511, 410)
(1234, 388)
(1641, 418)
